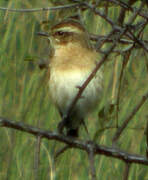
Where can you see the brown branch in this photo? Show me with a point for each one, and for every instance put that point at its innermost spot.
(75, 143)
(130, 116)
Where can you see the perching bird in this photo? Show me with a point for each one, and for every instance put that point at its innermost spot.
(71, 62)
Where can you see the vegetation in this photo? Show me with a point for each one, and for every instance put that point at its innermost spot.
(24, 94)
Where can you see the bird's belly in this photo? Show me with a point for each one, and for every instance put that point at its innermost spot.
(63, 88)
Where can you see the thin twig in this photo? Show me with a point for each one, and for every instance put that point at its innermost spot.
(135, 13)
(114, 127)
(142, 26)
(100, 38)
(37, 157)
(130, 116)
(60, 151)
(100, 42)
(41, 9)
(101, 14)
(121, 16)
(124, 63)
(138, 41)
(126, 171)
(127, 7)
(114, 88)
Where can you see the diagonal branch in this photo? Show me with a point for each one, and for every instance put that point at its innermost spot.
(130, 116)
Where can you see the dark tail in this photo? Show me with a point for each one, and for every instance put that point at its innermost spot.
(72, 132)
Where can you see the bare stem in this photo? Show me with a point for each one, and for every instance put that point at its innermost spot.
(91, 156)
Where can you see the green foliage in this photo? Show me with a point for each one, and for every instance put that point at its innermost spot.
(24, 97)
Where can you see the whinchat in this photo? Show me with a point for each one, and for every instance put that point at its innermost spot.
(71, 62)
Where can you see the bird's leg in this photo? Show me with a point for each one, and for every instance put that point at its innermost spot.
(86, 129)
(62, 124)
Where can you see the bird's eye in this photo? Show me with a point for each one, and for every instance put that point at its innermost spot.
(60, 33)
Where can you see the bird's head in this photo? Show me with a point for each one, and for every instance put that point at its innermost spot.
(68, 31)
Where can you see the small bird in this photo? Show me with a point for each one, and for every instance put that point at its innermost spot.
(71, 62)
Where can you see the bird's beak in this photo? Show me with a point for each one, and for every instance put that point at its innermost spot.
(44, 34)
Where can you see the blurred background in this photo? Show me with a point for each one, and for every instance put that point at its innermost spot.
(24, 97)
